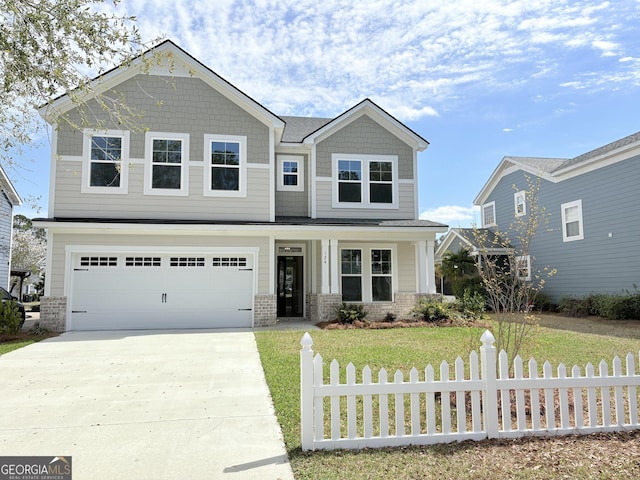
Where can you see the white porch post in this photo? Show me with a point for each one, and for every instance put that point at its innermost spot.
(334, 265)
(325, 266)
(431, 267)
(421, 256)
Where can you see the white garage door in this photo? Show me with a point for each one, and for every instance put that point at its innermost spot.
(139, 291)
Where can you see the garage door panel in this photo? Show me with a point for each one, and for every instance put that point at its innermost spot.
(170, 291)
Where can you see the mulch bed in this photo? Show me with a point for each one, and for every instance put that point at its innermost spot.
(358, 324)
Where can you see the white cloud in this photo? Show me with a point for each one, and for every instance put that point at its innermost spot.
(453, 215)
(320, 58)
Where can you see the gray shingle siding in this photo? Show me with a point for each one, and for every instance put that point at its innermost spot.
(597, 263)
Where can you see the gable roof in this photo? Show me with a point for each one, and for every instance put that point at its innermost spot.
(7, 188)
(490, 241)
(369, 108)
(166, 59)
(559, 169)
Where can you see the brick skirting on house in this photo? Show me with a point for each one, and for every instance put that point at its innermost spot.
(53, 313)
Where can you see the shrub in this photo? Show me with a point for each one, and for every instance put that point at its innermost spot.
(389, 317)
(10, 318)
(349, 313)
(430, 310)
(542, 302)
(472, 304)
(574, 307)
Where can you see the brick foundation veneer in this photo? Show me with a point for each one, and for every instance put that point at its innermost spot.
(265, 310)
(53, 313)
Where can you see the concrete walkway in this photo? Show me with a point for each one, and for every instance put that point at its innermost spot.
(144, 404)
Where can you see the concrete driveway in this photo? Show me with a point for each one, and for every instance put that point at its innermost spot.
(143, 405)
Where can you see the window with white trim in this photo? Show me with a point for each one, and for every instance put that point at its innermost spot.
(381, 279)
(105, 159)
(366, 274)
(166, 163)
(489, 214)
(365, 181)
(523, 264)
(520, 203)
(225, 165)
(572, 226)
(291, 173)
(351, 271)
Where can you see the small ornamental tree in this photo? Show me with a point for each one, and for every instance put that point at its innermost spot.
(510, 278)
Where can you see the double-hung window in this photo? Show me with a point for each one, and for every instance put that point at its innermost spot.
(351, 275)
(225, 165)
(381, 279)
(572, 227)
(520, 203)
(523, 265)
(105, 160)
(291, 173)
(489, 214)
(365, 181)
(366, 274)
(166, 163)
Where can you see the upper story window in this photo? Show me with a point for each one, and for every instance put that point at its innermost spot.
(225, 165)
(291, 173)
(105, 158)
(166, 163)
(520, 203)
(489, 214)
(572, 227)
(365, 181)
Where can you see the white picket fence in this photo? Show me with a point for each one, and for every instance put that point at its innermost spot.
(486, 403)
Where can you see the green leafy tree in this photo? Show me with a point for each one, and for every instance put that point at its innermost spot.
(54, 47)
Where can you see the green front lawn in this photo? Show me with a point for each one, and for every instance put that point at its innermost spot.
(573, 341)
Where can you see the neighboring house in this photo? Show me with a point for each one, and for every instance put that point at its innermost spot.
(222, 214)
(592, 201)
(9, 198)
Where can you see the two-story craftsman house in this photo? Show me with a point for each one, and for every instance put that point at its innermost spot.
(219, 213)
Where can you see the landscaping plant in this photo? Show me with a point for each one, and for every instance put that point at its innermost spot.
(10, 318)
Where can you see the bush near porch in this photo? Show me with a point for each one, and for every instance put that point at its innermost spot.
(560, 339)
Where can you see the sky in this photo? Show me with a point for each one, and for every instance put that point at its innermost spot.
(479, 80)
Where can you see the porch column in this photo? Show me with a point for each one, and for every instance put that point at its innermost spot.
(431, 267)
(325, 266)
(421, 255)
(334, 265)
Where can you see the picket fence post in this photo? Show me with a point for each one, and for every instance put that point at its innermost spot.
(490, 392)
(306, 392)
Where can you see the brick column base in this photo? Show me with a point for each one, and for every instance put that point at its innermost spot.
(265, 310)
(53, 313)
(322, 306)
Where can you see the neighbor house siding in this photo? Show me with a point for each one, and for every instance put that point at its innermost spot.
(366, 137)
(174, 105)
(6, 219)
(599, 262)
(58, 266)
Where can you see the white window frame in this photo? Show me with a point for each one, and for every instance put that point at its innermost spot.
(88, 134)
(563, 208)
(299, 159)
(365, 182)
(520, 199)
(526, 259)
(491, 205)
(242, 180)
(366, 274)
(148, 164)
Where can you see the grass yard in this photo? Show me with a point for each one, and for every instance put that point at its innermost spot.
(559, 339)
